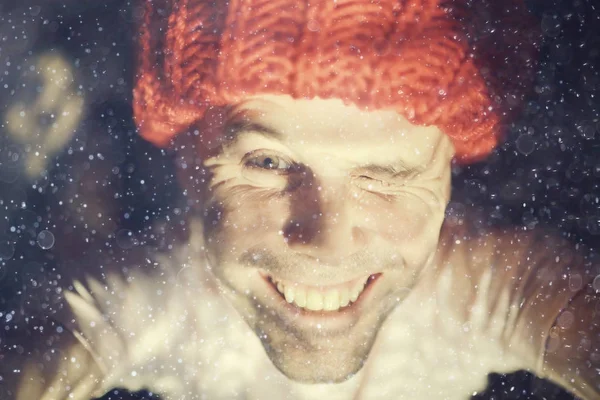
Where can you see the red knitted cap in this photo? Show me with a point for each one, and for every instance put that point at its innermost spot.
(460, 65)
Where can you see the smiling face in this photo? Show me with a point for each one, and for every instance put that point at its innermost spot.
(318, 220)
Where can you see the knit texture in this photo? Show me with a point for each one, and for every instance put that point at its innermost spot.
(460, 65)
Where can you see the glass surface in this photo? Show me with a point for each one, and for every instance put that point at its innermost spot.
(79, 187)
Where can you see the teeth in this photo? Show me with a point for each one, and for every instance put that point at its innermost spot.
(314, 300)
(344, 297)
(332, 300)
(289, 293)
(300, 299)
(318, 298)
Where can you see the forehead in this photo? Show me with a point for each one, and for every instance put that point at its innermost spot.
(329, 126)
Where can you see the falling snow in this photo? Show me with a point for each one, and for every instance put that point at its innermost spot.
(79, 189)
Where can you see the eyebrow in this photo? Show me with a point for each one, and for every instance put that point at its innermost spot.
(392, 170)
(234, 129)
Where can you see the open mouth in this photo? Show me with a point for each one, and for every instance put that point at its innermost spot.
(322, 298)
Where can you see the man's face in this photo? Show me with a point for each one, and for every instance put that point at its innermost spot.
(318, 220)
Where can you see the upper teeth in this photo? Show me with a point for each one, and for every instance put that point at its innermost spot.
(321, 298)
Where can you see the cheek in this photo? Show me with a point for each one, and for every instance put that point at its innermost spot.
(410, 224)
(245, 219)
(404, 221)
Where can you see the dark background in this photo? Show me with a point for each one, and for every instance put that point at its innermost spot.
(106, 185)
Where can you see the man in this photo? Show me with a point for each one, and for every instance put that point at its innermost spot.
(314, 142)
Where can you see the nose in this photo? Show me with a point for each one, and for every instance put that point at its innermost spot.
(323, 222)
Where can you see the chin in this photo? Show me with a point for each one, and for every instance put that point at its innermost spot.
(326, 366)
(310, 357)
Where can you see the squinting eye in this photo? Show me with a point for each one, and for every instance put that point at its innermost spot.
(268, 162)
(369, 183)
